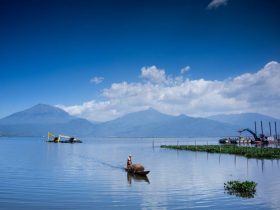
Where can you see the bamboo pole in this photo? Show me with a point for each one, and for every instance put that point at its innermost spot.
(256, 128)
(276, 135)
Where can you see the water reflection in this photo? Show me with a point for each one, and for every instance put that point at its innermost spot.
(136, 178)
(82, 176)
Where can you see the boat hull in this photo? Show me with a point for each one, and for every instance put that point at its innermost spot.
(66, 141)
(140, 173)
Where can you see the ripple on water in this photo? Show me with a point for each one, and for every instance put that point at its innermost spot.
(37, 175)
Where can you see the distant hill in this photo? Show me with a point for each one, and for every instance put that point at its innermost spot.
(41, 118)
(246, 120)
(39, 114)
(151, 123)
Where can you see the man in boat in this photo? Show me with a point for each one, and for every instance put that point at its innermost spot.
(133, 167)
(129, 162)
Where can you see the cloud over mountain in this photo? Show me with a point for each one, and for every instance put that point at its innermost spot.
(249, 92)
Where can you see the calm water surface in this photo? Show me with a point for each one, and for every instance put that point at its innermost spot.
(39, 175)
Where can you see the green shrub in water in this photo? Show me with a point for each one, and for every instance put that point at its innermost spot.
(246, 189)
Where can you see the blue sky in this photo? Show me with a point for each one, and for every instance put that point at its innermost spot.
(50, 50)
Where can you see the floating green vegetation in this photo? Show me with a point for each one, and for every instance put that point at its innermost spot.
(249, 152)
(246, 189)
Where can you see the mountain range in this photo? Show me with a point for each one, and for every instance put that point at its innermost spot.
(41, 118)
(245, 119)
(151, 123)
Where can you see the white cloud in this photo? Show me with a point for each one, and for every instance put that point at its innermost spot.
(217, 3)
(97, 80)
(249, 92)
(153, 74)
(185, 69)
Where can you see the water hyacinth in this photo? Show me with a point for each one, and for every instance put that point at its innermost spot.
(249, 152)
(246, 189)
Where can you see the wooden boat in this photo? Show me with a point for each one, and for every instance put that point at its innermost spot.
(140, 173)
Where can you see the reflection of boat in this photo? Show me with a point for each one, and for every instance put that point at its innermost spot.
(57, 139)
(139, 173)
(137, 178)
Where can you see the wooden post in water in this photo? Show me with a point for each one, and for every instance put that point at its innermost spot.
(269, 129)
(262, 127)
(276, 134)
(256, 128)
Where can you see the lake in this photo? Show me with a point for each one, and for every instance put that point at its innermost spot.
(39, 175)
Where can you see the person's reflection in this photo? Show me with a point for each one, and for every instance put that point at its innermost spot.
(136, 178)
(129, 178)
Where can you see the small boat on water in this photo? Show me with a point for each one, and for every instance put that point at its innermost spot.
(72, 140)
(229, 140)
(57, 139)
(140, 173)
(135, 169)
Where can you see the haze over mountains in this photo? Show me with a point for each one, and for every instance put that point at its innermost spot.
(41, 118)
